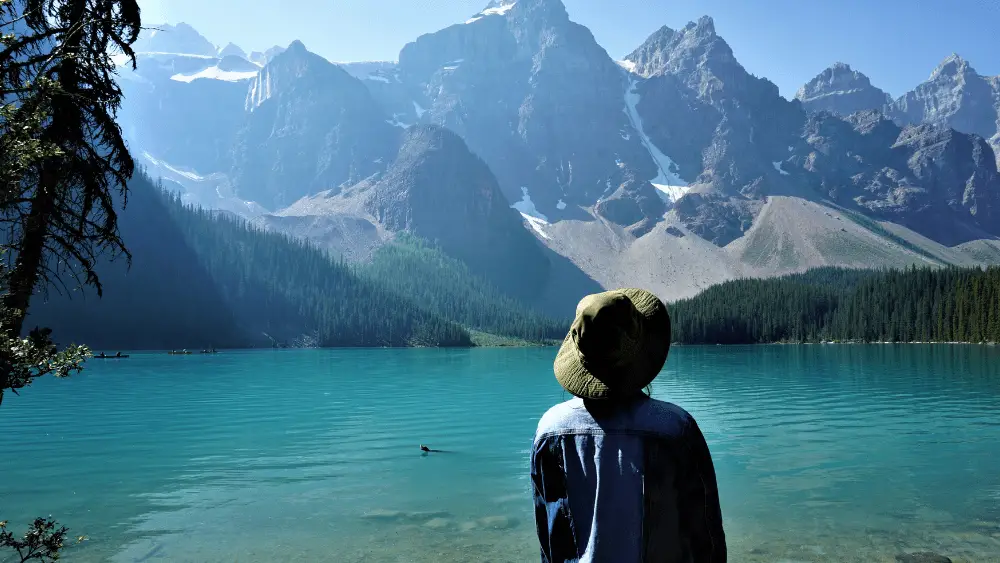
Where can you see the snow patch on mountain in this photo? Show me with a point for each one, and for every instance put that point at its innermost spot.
(668, 184)
(260, 90)
(395, 121)
(494, 11)
(167, 54)
(777, 166)
(378, 78)
(419, 109)
(216, 73)
(186, 174)
(627, 65)
(535, 219)
(527, 207)
(561, 205)
(670, 193)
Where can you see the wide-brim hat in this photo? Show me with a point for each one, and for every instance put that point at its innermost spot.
(617, 345)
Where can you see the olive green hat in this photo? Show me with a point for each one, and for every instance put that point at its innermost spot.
(616, 346)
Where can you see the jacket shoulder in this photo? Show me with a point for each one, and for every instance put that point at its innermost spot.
(564, 417)
(650, 416)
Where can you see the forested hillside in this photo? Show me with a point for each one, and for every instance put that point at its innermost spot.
(204, 278)
(295, 294)
(200, 278)
(916, 305)
(165, 300)
(444, 285)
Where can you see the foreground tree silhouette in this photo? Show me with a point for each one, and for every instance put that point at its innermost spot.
(62, 155)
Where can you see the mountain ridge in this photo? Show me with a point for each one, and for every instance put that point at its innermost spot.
(675, 148)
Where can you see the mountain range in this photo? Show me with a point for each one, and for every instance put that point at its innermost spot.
(514, 142)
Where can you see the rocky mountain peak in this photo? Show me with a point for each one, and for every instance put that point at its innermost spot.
(671, 52)
(232, 50)
(839, 75)
(841, 90)
(262, 58)
(955, 95)
(439, 190)
(180, 39)
(296, 47)
(296, 63)
(551, 10)
(952, 66)
(705, 26)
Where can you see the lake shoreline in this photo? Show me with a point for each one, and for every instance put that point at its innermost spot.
(528, 346)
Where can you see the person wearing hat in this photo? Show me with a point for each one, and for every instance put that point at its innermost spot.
(616, 475)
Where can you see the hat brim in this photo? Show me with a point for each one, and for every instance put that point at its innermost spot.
(577, 379)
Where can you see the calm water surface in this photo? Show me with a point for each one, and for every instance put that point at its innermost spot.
(824, 453)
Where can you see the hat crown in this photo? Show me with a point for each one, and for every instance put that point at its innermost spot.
(607, 330)
(616, 346)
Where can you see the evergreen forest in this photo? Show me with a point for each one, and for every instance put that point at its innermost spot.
(834, 304)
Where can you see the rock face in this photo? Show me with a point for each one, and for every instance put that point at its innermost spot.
(955, 95)
(310, 126)
(534, 95)
(749, 143)
(634, 204)
(932, 178)
(841, 90)
(438, 190)
(190, 123)
(723, 127)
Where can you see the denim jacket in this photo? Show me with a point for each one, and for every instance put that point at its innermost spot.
(632, 484)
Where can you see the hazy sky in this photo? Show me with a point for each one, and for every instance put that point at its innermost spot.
(895, 42)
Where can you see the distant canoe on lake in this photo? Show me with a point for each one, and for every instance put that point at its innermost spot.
(103, 356)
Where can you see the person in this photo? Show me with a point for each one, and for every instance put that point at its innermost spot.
(616, 475)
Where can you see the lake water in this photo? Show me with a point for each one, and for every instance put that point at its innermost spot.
(823, 453)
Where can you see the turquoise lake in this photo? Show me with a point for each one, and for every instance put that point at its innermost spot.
(823, 453)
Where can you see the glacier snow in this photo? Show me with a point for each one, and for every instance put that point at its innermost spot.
(668, 184)
(531, 214)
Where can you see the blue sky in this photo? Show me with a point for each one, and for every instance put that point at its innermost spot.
(895, 42)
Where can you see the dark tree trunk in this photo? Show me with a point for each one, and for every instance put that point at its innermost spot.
(25, 274)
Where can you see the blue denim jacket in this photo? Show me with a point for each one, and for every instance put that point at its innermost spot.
(634, 483)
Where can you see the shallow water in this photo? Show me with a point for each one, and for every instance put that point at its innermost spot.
(824, 453)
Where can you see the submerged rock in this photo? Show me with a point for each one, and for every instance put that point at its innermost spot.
(922, 557)
(399, 515)
(498, 522)
(380, 514)
(438, 523)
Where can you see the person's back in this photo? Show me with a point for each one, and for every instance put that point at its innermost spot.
(618, 476)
